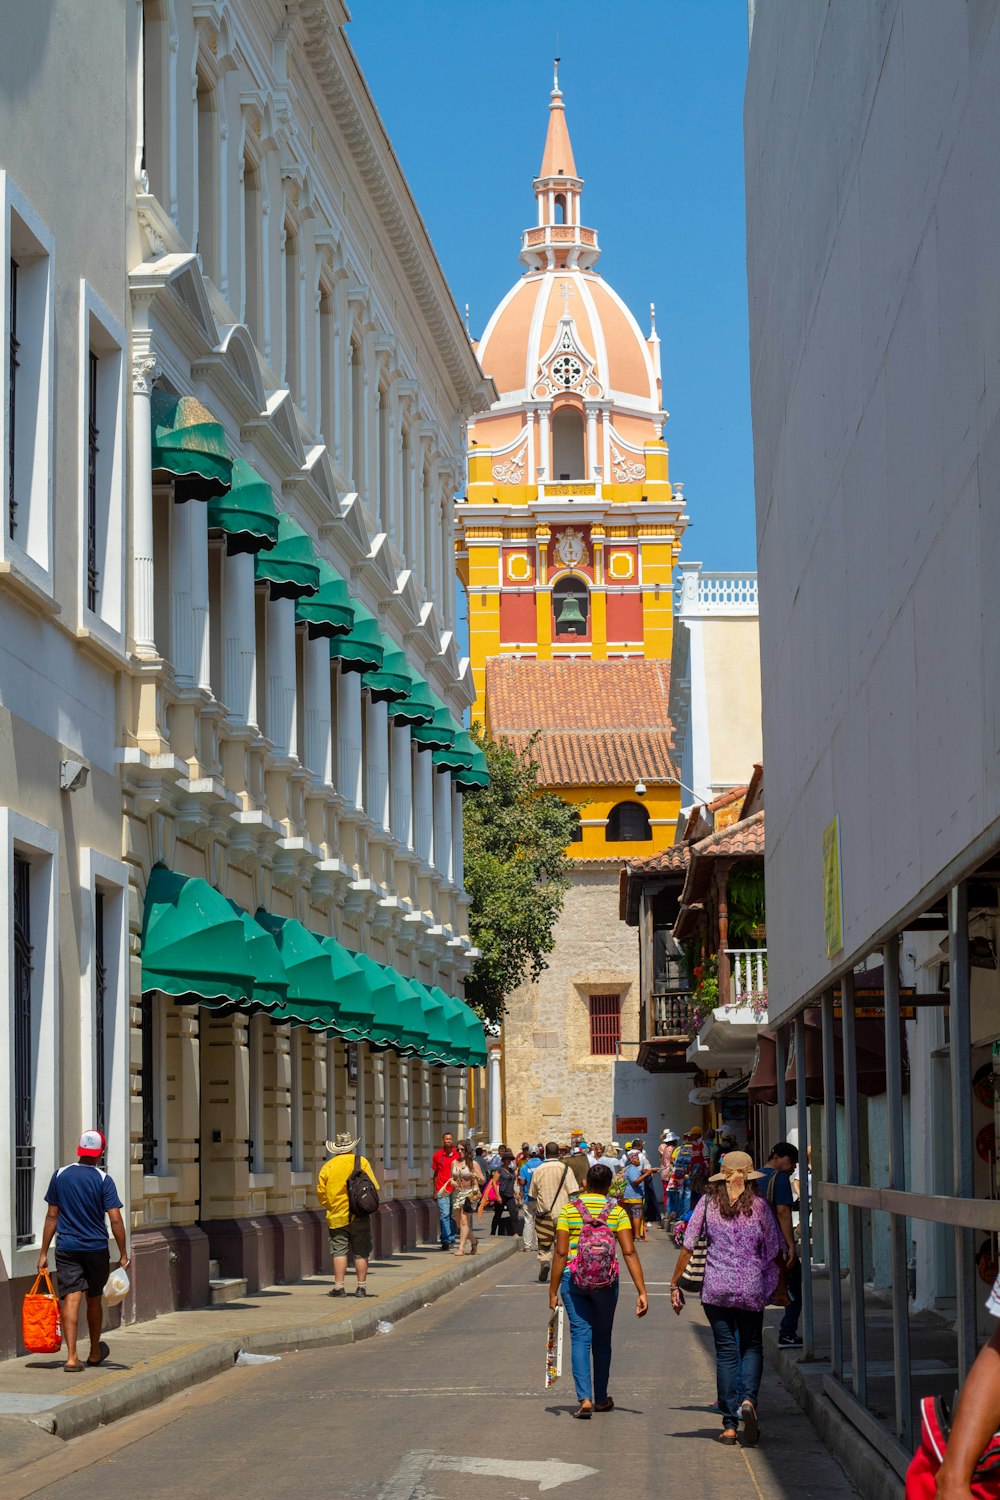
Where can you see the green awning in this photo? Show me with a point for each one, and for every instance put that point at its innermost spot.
(458, 1034)
(458, 756)
(398, 1020)
(361, 649)
(354, 994)
(289, 569)
(189, 447)
(416, 708)
(329, 612)
(465, 1029)
(312, 997)
(270, 981)
(438, 1046)
(193, 943)
(439, 734)
(246, 513)
(478, 775)
(391, 683)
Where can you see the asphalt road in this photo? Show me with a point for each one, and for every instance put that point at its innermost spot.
(451, 1403)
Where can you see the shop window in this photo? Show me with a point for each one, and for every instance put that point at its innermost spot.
(628, 823)
(605, 1025)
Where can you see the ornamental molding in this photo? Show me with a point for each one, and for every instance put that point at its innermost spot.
(624, 470)
(566, 366)
(511, 469)
(145, 369)
(409, 240)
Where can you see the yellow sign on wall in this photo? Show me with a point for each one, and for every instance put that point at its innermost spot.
(833, 895)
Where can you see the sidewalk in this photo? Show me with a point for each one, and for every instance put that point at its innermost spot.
(150, 1361)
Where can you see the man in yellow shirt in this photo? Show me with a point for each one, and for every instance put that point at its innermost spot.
(347, 1233)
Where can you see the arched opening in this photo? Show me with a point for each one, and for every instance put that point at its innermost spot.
(628, 823)
(567, 444)
(570, 607)
(560, 208)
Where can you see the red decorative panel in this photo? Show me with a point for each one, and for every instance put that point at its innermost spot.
(517, 619)
(625, 617)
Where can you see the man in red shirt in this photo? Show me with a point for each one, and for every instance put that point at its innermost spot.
(441, 1163)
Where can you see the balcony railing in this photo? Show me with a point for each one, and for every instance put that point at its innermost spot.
(748, 979)
(673, 1014)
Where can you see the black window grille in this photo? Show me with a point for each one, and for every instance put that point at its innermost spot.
(100, 994)
(93, 573)
(12, 404)
(24, 1151)
(148, 1086)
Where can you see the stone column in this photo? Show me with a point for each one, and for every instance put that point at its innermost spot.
(144, 370)
(181, 648)
(349, 738)
(457, 839)
(239, 661)
(442, 824)
(401, 787)
(281, 695)
(423, 806)
(496, 1094)
(377, 769)
(200, 646)
(544, 462)
(317, 752)
(591, 439)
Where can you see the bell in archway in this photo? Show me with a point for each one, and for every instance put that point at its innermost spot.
(570, 617)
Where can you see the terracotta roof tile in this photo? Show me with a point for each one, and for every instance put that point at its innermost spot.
(601, 723)
(735, 794)
(745, 837)
(676, 858)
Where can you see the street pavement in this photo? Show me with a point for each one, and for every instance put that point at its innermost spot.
(451, 1403)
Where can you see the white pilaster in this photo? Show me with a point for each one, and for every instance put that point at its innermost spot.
(143, 374)
(318, 749)
(377, 768)
(401, 788)
(239, 660)
(591, 440)
(423, 806)
(281, 694)
(496, 1095)
(442, 824)
(181, 634)
(544, 464)
(349, 737)
(457, 838)
(200, 646)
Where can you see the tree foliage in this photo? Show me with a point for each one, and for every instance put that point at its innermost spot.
(516, 873)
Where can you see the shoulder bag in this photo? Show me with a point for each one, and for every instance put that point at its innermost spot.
(693, 1275)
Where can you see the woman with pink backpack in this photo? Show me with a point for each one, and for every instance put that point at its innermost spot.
(589, 1230)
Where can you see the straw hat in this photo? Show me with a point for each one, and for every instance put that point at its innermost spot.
(736, 1163)
(343, 1144)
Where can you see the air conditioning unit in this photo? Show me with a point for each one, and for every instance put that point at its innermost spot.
(701, 1096)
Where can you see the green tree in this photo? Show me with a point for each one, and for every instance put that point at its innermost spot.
(516, 872)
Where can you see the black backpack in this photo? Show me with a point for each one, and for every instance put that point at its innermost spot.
(362, 1194)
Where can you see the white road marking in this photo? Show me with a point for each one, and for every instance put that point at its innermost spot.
(548, 1474)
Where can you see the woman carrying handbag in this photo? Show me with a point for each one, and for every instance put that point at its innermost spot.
(735, 1236)
(468, 1180)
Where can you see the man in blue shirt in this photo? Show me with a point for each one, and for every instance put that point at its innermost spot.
(80, 1196)
(777, 1189)
(525, 1170)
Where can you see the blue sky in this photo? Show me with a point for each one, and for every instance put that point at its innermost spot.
(654, 102)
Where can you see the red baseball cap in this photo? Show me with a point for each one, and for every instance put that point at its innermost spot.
(92, 1144)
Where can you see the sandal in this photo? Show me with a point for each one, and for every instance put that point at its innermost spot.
(104, 1351)
(608, 1405)
(582, 1413)
(76, 1369)
(727, 1436)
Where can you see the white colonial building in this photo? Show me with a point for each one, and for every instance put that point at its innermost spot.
(227, 630)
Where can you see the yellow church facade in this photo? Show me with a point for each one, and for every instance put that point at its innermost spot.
(567, 542)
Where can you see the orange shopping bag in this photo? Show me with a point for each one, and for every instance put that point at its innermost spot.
(41, 1330)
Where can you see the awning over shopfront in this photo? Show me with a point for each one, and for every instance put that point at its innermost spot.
(330, 611)
(398, 1020)
(246, 513)
(362, 648)
(391, 682)
(437, 1041)
(189, 448)
(416, 708)
(193, 943)
(290, 569)
(440, 733)
(870, 1046)
(270, 979)
(312, 986)
(458, 756)
(476, 776)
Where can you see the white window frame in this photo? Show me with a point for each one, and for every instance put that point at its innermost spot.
(32, 565)
(101, 331)
(41, 846)
(98, 872)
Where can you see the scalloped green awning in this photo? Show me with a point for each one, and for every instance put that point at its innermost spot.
(246, 513)
(438, 1047)
(465, 1029)
(439, 734)
(270, 980)
(328, 613)
(354, 992)
(362, 649)
(312, 991)
(193, 943)
(478, 776)
(416, 708)
(458, 755)
(398, 1018)
(189, 447)
(289, 569)
(391, 683)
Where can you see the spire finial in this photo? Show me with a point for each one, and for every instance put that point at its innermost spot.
(652, 319)
(466, 318)
(555, 76)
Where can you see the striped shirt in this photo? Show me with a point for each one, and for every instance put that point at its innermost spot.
(571, 1219)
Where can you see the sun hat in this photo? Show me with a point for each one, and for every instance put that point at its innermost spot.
(92, 1144)
(736, 1164)
(345, 1142)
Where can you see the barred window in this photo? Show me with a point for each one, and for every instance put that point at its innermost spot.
(605, 1025)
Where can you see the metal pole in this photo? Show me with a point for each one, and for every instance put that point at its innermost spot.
(832, 1210)
(805, 1235)
(855, 1232)
(779, 1076)
(897, 1180)
(961, 1115)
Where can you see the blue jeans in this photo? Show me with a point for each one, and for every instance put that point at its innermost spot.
(790, 1320)
(678, 1200)
(739, 1358)
(591, 1317)
(449, 1234)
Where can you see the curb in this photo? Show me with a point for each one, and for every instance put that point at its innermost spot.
(871, 1476)
(203, 1361)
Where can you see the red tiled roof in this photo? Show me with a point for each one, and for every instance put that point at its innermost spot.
(676, 858)
(735, 794)
(743, 838)
(600, 723)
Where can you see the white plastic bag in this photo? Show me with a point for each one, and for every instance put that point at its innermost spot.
(116, 1287)
(245, 1358)
(382, 1326)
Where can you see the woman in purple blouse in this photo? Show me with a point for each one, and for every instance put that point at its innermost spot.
(741, 1273)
